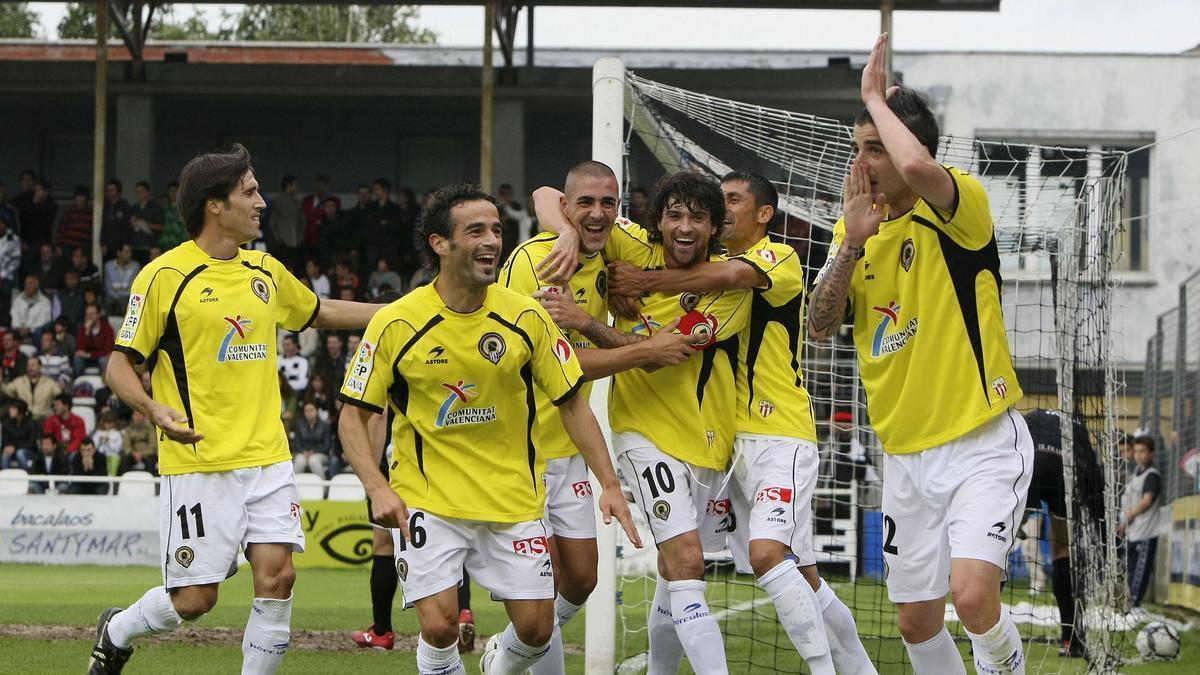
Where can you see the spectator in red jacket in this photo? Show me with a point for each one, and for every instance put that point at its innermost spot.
(75, 223)
(65, 425)
(94, 340)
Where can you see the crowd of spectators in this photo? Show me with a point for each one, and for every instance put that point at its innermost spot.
(59, 310)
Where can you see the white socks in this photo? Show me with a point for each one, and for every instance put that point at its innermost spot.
(796, 608)
(268, 633)
(515, 656)
(998, 651)
(565, 610)
(153, 613)
(438, 661)
(847, 650)
(936, 656)
(666, 651)
(696, 627)
(553, 662)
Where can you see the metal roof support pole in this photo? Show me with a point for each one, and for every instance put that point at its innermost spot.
(100, 130)
(885, 26)
(487, 89)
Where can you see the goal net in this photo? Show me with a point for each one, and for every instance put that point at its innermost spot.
(1057, 215)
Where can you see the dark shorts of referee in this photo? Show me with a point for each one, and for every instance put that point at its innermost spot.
(1047, 484)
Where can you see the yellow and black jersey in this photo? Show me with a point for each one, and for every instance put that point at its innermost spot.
(588, 288)
(771, 397)
(463, 390)
(928, 327)
(209, 326)
(687, 411)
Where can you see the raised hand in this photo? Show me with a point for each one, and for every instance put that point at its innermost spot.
(560, 264)
(874, 77)
(625, 279)
(562, 308)
(862, 210)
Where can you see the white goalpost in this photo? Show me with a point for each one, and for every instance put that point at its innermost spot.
(1057, 214)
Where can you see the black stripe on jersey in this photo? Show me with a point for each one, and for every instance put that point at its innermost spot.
(248, 264)
(313, 317)
(140, 357)
(761, 272)
(532, 406)
(964, 265)
(953, 209)
(513, 327)
(762, 314)
(172, 343)
(437, 318)
(398, 393)
(730, 348)
(570, 392)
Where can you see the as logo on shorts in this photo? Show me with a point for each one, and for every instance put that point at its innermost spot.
(534, 547)
(774, 494)
(402, 569)
(184, 556)
(582, 489)
(661, 509)
(718, 507)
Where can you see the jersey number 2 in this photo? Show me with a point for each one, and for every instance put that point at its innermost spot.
(889, 527)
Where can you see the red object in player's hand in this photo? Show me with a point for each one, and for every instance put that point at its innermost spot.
(703, 329)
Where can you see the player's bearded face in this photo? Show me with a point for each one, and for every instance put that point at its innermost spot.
(244, 212)
(885, 177)
(685, 234)
(473, 251)
(590, 203)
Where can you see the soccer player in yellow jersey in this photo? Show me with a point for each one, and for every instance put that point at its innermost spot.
(776, 461)
(914, 266)
(203, 317)
(590, 207)
(673, 428)
(458, 362)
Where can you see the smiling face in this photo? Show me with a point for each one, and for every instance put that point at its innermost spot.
(240, 215)
(885, 177)
(590, 203)
(471, 254)
(685, 234)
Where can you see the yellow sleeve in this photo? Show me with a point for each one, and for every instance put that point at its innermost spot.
(298, 305)
(150, 299)
(556, 369)
(629, 242)
(969, 222)
(781, 267)
(370, 374)
(519, 273)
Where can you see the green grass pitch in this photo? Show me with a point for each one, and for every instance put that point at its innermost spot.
(48, 613)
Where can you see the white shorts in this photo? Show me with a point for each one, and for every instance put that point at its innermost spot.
(512, 560)
(569, 509)
(205, 519)
(961, 499)
(773, 482)
(676, 496)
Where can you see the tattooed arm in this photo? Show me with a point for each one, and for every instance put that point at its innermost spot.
(827, 307)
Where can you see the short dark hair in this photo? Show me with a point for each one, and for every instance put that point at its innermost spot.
(436, 219)
(286, 181)
(65, 399)
(364, 186)
(383, 183)
(44, 184)
(115, 183)
(143, 184)
(330, 200)
(1146, 441)
(81, 190)
(590, 169)
(173, 184)
(323, 178)
(764, 192)
(697, 191)
(289, 336)
(27, 172)
(213, 175)
(914, 112)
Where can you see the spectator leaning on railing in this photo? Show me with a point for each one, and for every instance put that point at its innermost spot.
(51, 461)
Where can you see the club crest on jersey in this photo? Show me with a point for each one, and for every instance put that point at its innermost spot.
(261, 290)
(461, 393)
(602, 283)
(765, 408)
(907, 253)
(1000, 387)
(232, 351)
(562, 350)
(402, 569)
(689, 300)
(662, 510)
(885, 342)
(492, 346)
(184, 555)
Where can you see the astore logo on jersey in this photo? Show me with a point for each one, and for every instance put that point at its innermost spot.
(885, 342)
(231, 351)
(460, 393)
(533, 547)
(435, 356)
(206, 295)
